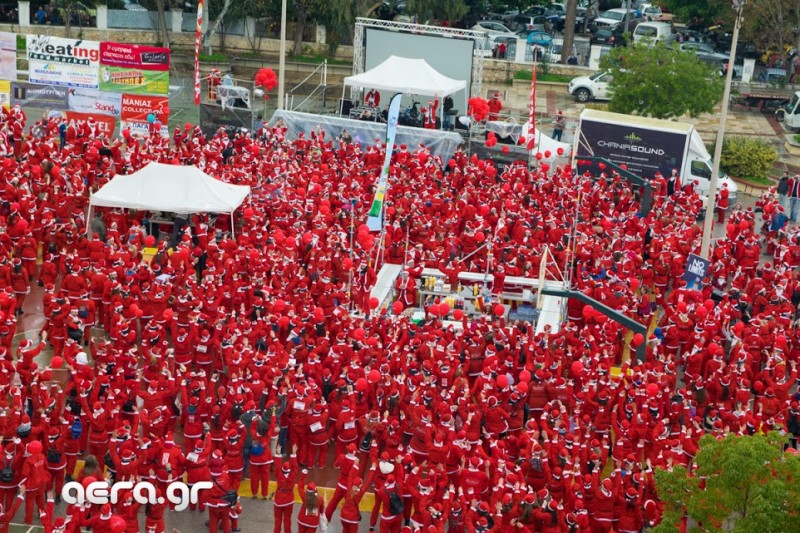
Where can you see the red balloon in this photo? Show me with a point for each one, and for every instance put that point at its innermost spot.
(524, 376)
(149, 241)
(374, 376)
(374, 303)
(502, 381)
(634, 283)
(505, 148)
(444, 309)
(139, 313)
(398, 307)
(560, 151)
(434, 309)
(713, 348)
(602, 166)
(279, 306)
(623, 166)
(522, 387)
(88, 480)
(637, 340)
(359, 334)
(347, 263)
(547, 154)
(319, 314)
(499, 310)
(588, 312)
(652, 389)
(577, 369)
(117, 524)
(361, 384)
(283, 322)
(539, 156)
(248, 212)
(480, 237)
(451, 163)
(458, 314)
(57, 362)
(169, 314)
(709, 304)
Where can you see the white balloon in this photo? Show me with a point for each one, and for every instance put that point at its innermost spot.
(465, 121)
(258, 92)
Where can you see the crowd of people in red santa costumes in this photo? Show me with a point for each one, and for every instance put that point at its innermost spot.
(198, 362)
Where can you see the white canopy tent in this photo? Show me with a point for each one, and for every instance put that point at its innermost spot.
(407, 76)
(170, 188)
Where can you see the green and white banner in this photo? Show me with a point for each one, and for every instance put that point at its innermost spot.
(375, 218)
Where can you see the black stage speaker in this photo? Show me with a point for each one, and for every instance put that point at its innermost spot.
(345, 105)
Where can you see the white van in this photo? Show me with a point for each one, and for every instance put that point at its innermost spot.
(654, 33)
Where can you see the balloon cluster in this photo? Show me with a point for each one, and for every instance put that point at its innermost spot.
(491, 139)
(478, 108)
(266, 79)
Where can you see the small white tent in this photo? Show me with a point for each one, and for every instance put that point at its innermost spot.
(170, 188)
(407, 76)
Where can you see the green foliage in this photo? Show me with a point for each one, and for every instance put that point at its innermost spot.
(545, 77)
(214, 58)
(750, 486)
(771, 24)
(748, 157)
(692, 11)
(796, 138)
(661, 82)
(21, 42)
(426, 10)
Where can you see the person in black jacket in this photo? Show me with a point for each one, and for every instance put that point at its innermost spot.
(783, 189)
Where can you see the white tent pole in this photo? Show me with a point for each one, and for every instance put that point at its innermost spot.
(233, 230)
(341, 102)
(89, 219)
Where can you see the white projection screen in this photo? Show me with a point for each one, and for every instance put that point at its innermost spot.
(450, 56)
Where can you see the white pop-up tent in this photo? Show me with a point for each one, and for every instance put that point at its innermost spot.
(170, 188)
(407, 76)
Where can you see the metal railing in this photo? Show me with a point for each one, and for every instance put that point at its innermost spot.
(317, 89)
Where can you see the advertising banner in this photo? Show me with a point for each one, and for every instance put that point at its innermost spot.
(5, 94)
(134, 56)
(644, 151)
(104, 124)
(135, 111)
(134, 80)
(8, 56)
(39, 96)
(126, 68)
(92, 101)
(63, 62)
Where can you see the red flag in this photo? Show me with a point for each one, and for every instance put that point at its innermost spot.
(532, 119)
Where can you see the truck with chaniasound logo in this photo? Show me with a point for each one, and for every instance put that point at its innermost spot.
(646, 146)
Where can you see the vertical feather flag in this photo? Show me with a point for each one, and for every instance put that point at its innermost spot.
(375, 218)
(197, 38)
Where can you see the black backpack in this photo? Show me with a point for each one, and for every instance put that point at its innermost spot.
(396, 506)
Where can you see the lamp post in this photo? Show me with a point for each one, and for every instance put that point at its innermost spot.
(738, 5)
(282, 58)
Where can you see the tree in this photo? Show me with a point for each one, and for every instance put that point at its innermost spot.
(694, 12)
(426, 10)
(661, 82)
(771, 24)
(569, 29)
(341, 15)
(750, 486)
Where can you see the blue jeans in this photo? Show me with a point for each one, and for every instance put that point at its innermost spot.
(784, 201)
(447, 121)
(794, 204)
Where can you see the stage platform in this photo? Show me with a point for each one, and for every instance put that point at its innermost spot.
(442, 144)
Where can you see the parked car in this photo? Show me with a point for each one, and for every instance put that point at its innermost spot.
(492, 27)
(608, 37)
(580, 19)
(542, 11)
(651, 12)
(595, 87)
(615, 18)
(707, 54)
(654, 33)
(528, 23)
(133, 5)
